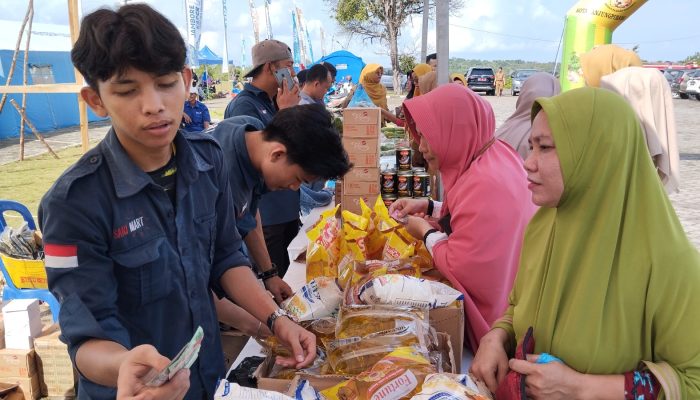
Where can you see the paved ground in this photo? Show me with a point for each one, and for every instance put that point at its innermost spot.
(686, 202)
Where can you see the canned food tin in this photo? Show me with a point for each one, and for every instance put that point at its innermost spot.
(421, 184)
(404, 186)
(387, 181)
(418, 169)
(389, 199)
(403, 158)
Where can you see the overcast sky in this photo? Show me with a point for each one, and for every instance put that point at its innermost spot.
(484, 29)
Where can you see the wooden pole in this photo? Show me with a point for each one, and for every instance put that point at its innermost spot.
(24, 79)
(82, 107)
(14, 58)
(31, 126)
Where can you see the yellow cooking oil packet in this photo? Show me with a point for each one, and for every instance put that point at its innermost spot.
(398, 375)
(354, 235)
(399, 245)
(324, 245)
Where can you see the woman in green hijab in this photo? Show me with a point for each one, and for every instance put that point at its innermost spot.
(608, 279)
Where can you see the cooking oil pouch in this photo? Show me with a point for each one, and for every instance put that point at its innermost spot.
(375, 239)
(452, 387)
(355, 235)
(324, 329)
(396, 376)
(423, 258)
(324, 245)
(403, 290)
(364, 334)
(319, 298)
(345, 269)
(399, 245)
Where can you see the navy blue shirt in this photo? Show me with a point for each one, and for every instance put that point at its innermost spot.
(144, 267)
(279, 206)
(199, 113)
(247, 183)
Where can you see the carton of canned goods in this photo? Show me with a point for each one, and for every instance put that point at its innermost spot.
(421, 184)
(404, 187)
(403, 158)
(387, 181)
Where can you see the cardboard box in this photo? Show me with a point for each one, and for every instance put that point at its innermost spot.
(362, 174)
(364, 160)
(22, 320)
(58, 377)
(352, 203)
(361, 116)
(361, 131)
(360, 188)
(450, 320)
(2, 327)
(361, 146)
(232, 343)
(18, 342)
(19, 363)
(28, 386)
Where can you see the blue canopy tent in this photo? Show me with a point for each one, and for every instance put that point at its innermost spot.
(346, 63)
(206, 56)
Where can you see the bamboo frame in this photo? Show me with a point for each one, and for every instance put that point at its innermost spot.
(56, 87)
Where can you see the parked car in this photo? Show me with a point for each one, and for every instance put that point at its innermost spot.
(671, 75)
(682, 82)
(518, 78)
(481, 79)
(388, 80)
(690, 86)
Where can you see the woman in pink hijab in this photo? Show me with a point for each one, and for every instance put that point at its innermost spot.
(484, 215)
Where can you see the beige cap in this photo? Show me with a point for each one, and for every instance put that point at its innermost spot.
(268, 51)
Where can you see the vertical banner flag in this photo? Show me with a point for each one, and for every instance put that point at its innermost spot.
(194, 30)
(295, 44)
(243, 62)
(590, 23)
(308, 40)
(224, 64)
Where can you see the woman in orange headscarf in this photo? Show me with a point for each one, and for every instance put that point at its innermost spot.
(418, 71)
(370, 79)
(604, 60)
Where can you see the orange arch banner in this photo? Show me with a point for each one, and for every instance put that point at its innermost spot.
(590, 23)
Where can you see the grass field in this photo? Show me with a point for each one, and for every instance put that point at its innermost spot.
(27, 181)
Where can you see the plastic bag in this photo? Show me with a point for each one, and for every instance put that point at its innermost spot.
(226, 390)
(403, 290)
(324, 245)
(360, 98)
(452, 387)
(363, 272)
(319, 298)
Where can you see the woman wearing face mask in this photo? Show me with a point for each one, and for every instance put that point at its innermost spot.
(607, 279)
(483, 217)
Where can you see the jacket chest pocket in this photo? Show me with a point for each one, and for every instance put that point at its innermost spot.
(205, 235)
(142, 273)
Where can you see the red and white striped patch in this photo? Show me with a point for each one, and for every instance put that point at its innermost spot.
(60, 255)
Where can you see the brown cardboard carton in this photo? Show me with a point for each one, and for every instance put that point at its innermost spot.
(450, 320)
(361, 146)
(352, 202)
(58, 377)
(232, 343)
(364, 160)
(362, 174)
(364, 189)
(17, 363)
(361, 116)
(361, 131)
(28, 386)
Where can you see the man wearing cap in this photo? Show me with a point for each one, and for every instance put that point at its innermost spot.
(195, 116)
(278, 211)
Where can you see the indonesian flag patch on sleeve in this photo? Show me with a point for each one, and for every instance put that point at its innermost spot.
(60, 255)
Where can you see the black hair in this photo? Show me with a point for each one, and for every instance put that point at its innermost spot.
(255, 71)
(331, 68)
(311, 140)
(301, 76)
(136, 35)
(432, 56)
(317, 73)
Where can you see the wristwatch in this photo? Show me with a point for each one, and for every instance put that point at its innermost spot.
(273, 317)
(263, 276)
